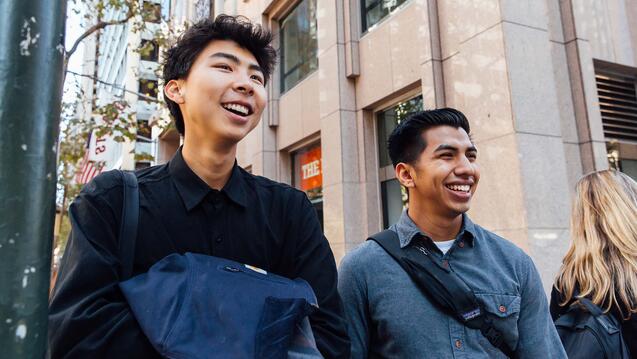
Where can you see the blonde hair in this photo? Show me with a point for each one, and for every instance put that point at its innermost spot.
(602, 259)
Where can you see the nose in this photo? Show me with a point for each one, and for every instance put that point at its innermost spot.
(465, 168)
(243, 85)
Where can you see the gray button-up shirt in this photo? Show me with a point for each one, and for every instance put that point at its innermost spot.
(389, 317)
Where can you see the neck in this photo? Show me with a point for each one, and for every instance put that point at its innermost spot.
(213, 164)
(437, 226)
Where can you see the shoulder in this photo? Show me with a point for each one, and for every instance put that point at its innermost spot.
(507, 257)
(266, 184)
(109, 180)
(271, 189)
(103, 184)
(362, 258)
(152, 174)
(99, 201)
(107, 185)
(500, 246)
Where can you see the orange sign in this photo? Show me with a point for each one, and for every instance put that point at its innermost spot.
(311, 173)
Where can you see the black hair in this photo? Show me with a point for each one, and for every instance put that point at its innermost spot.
(407, 142)
(180, 57)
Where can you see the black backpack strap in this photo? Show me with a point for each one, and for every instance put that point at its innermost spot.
(128, 226)
(442, 286)
(590, 306)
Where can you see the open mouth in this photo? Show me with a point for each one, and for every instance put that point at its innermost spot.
(238, 109)
(463, 188)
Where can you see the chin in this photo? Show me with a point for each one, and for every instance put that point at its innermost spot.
(236, 133)
(235, 137)
(458, 210)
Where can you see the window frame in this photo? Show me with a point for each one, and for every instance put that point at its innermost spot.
(311, 57)
(151, 8)
(143, 127)
(154, 53)
(155, 89)
(364, 10)
(386, 173)
(294, 180)
(617, 107)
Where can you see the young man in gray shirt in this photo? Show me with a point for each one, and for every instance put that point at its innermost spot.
(388, 316)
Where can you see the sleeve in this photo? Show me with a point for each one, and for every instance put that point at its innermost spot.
(355, 301)
(538, 337)
(315, 263)
(88, 315)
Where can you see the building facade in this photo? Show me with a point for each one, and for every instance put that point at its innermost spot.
(121, 64)
(548, 87)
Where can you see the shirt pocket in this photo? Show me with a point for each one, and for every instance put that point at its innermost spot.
(504, 311)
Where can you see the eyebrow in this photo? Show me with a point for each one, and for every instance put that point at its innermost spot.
(236, 60)
(446, 147)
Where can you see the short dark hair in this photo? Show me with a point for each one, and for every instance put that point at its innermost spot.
(407, 142)
(180, 57)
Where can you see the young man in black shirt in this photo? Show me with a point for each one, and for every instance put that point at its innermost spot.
(200, 202)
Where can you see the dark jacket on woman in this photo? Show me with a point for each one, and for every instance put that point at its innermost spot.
(629, 326)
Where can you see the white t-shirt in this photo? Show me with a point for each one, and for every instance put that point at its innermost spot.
(444, 246)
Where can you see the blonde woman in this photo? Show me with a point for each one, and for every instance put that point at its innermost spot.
(601, 263)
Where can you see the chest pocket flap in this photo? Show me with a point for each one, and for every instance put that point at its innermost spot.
(504, 309)
(500, 305)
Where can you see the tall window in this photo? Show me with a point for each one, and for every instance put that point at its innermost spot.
(375, 10)
(298, 44)
(148, 88)
(143, 131)
(143, 144)
(393, 195)
(151, 12)
(617, 92)
(307, 175)
(149, 50)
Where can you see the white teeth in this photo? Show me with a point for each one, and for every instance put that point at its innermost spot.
(461, 188)
(236, 107)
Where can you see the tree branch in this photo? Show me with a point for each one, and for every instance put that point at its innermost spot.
(141, 95)
(100, 25)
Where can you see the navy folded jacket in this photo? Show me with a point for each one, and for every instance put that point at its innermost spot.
(199, 306)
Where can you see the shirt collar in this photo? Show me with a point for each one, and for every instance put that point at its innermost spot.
(407, 230)
(193, 189)
(235, 188)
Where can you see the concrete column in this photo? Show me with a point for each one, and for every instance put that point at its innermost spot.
(579, 57)
(342, 189)
(263, 140)
(498, 69)
(536, 118)
(433, 87)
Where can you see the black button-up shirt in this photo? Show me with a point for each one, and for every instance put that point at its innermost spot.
(252, 220)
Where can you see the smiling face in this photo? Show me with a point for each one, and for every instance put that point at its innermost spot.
(445, 176)
(223, 96)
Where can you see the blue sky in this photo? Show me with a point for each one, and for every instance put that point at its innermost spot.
(73, 31)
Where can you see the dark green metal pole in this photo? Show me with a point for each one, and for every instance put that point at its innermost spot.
(31, 59)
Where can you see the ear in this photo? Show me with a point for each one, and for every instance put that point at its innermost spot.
(404, 175)
(173, 90)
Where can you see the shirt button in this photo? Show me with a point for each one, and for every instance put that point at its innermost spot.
(502, 309)
(458, 343)
(218, 240)
(445, 264)
(461, 244)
